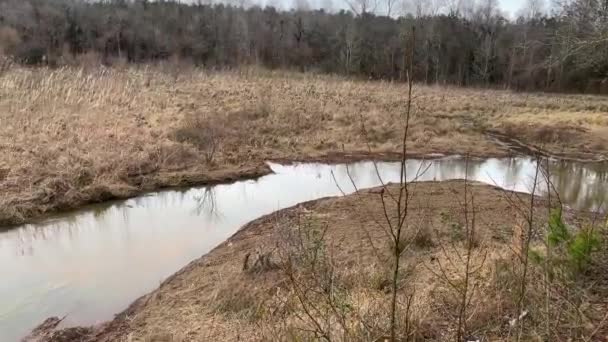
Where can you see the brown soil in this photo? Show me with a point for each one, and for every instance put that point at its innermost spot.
(563, 142)
(214, 298)
(74, 136)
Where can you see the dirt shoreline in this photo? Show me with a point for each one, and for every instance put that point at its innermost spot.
(166, 181)
(109, 330)
(518, 146)
(176, 180)
(184, 306)
(162, 181)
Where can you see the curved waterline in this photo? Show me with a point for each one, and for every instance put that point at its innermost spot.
(92, 263)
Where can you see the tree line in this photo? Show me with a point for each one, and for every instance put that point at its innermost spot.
(459, 42)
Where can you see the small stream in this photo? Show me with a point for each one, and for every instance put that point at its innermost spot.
(92, 263)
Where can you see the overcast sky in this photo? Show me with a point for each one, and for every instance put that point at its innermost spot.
(510, 8)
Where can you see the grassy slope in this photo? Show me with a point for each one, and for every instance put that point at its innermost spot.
(68, 137)
(214, 299)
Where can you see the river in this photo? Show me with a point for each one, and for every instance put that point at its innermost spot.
(92, 263)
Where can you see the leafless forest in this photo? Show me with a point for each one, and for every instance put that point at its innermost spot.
(558, 46)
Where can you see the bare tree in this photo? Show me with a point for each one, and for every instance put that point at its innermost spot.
(421, 8)
(396, 203)
(389, 6)
(301, 5)
(403, 197)
(455, 7)
(533, 8)
(361, 7)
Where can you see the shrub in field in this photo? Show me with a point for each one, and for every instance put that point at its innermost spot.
(205, 134)
(572, 252)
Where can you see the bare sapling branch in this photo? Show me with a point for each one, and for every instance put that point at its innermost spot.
(307, 262)
(525, 248)
(403, 197)
(471, 260)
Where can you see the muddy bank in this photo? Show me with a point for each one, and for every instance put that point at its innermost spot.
(215, 298)
(56, 197)
(64, 199)
(59, 197)
(513, 144)
(389, 156)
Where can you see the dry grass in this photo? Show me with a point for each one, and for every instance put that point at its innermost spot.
(71, 136)
(213, 298)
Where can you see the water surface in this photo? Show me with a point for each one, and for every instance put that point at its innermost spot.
(92, 263)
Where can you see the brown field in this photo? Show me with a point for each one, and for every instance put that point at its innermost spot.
(74, 136)
(217, 298)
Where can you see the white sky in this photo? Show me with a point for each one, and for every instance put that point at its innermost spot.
(511, 6)
(508, 7)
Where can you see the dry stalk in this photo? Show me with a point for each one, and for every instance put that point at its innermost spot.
(526, 247)
(307, 262)
(403, 199)
(472, 261)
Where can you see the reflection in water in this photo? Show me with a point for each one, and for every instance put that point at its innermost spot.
(206, 203)
(92, 263)
(581, 187)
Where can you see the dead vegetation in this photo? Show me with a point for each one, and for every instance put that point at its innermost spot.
(404, 262)
(71, 136)
(316, 271)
